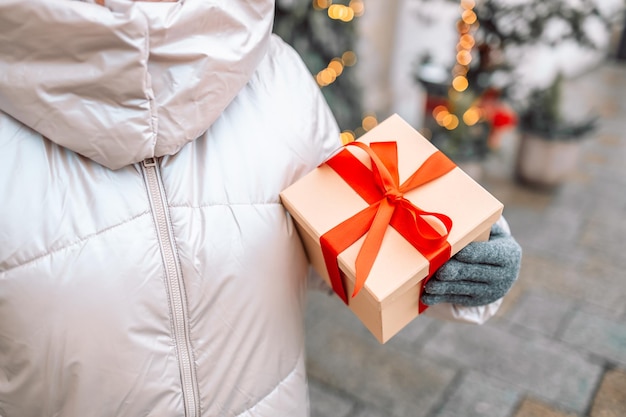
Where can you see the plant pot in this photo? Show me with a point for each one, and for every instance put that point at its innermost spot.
(546, 163)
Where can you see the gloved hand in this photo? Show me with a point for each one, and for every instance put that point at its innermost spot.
(478, 274)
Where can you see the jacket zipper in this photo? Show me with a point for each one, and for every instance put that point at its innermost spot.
(175, 286)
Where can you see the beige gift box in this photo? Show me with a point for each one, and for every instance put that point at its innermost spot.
(390, 297)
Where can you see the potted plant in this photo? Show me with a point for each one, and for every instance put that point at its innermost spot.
(520, 42)
(514, 61)
(550, 144)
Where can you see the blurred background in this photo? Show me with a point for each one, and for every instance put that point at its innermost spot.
(529, 97)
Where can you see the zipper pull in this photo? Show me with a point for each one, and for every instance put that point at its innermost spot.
(149, 162)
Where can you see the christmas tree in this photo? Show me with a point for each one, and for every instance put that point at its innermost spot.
(496, 39)
(323, 32)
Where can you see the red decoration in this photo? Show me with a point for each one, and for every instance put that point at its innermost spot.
(380, 188)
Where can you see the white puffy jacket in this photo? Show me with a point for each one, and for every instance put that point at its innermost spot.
(147, 267)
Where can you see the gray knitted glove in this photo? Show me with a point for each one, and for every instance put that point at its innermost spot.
(478, 274)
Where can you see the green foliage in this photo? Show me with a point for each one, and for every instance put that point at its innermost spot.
(528, 22)
(318, 39)
(542, 116)
(519, 26)
(506, 26)
(462, 143)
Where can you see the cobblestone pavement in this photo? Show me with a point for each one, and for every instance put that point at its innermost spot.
(557, 347)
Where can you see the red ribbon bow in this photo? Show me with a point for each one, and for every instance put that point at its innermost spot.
(387, 206)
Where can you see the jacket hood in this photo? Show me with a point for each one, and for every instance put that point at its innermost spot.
(131, 80)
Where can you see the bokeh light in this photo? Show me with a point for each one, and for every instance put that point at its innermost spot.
(450, 122)
(468, 4)
(469, 17)
(467, 41)
(358, 7)
(347, 136)
(336, 65)
(464, 57)
(471, 116)
(459, 70)
(369, 122)
(439, 113)
(322, 4)
(462, 27)
(341, 12)
(460, 83)
(348, 58)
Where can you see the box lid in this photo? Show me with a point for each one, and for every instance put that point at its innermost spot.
(322, 199)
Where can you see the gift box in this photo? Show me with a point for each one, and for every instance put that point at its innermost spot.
(381, 215)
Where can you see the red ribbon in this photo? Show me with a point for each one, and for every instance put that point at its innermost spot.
(387, 206)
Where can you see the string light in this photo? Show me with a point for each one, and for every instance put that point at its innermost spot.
(472, 116)
(369, 122)
(462, 27)
(348, 58)
(467, 41)
(469, 17)
(450, 121)
(326, 77)
(460, 83)
(439, 113)
(459, 70)
(464, 58)
(358, 7)
(468, 4)
(322, 4)
(336, 66)
(347, 136)
(341, 12)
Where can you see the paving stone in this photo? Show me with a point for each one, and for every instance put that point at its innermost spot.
(326, 402)
(592, 281)
(534, 408)
(610, 401)
(605, 239)
(480, 396)
(602, 336)
(560, 323)
(326, 312)
(597, 290)
(598, 310)
(524, 218)
(600, 272)
(343, 355)
(543, 312)
(606, 165)
(528, 360)
(556, 232)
